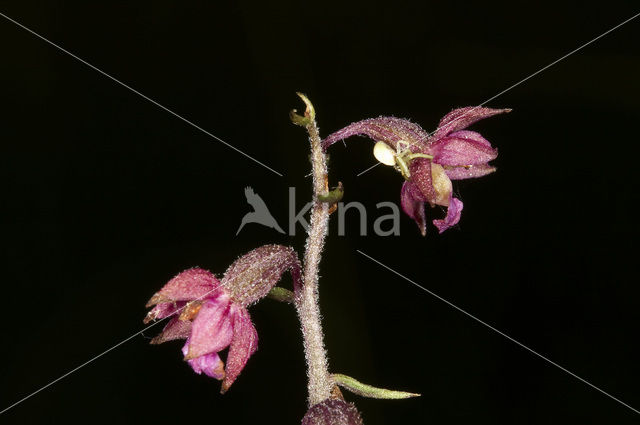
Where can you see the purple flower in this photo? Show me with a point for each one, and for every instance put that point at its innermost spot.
(213, 313)
(210, 321)
(429, 162)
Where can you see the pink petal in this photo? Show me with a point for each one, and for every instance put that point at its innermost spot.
(462, 148)
(212, 329)
(243, 345)
(413, 206)
(187, 286)
(252, 276)
(175, 329)
(461, 118)
(420, 170)
(210, 364)
(453, 215)
(387, 129)
(471, 135)
(459, 173)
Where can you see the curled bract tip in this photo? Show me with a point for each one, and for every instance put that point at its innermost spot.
(309, 113)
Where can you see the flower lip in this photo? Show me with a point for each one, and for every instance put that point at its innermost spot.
(210, 364)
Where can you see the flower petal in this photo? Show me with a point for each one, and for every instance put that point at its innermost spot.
(459, 173)
(413, 206)
(187, 286)
(461, 118)
(210, 364)
(420, 169)
(462, 148)
(386, 129)
(243, 345)
(471, 135)
(252, 276)
(453, 215)
(212, 329)
(175, 329)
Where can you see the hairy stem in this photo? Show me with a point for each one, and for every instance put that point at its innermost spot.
(320, 382)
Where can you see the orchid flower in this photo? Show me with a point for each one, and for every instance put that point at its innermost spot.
(213, 313)
(428, 162)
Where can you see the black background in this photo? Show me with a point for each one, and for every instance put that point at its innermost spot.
(106, 197)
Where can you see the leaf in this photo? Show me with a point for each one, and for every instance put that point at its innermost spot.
(365, 390)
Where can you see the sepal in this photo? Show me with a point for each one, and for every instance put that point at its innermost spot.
(252, 276)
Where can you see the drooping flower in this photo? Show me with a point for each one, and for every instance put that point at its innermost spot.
(212, 314)
(428, 162)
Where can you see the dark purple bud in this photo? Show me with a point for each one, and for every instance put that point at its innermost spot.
(332, 412)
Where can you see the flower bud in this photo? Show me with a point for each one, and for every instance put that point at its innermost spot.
(332, 412)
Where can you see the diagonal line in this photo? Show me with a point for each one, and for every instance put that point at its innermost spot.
(101, 354)
(497, 331)
(528, 78)
(197, 127)
(78, 368)
(373, 166)
(265, 166)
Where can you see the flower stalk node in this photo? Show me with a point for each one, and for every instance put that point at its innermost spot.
(333, 196)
